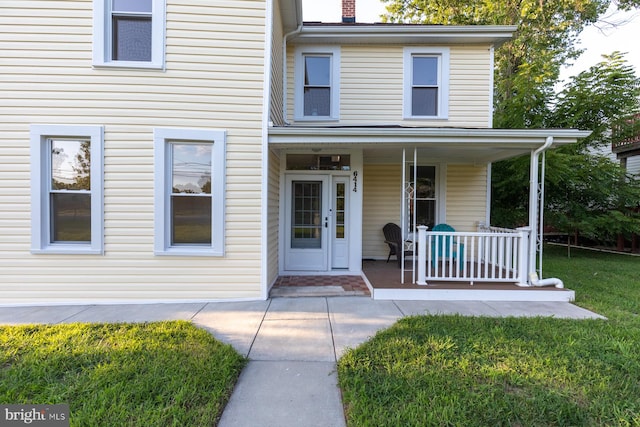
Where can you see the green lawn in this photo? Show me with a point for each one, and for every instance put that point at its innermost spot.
(151, 374)
(452, 370)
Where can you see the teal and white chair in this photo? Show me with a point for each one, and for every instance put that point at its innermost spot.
(445, 246)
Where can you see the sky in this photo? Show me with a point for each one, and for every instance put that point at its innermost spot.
(625, 38)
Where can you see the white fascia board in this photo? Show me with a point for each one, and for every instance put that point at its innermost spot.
(394, 135)
(404, 34)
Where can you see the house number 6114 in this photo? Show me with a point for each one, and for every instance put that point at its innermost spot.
(355, 181)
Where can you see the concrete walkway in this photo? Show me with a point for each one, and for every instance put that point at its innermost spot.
(292, 343)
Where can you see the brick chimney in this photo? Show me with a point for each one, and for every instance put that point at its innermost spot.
(348, 11)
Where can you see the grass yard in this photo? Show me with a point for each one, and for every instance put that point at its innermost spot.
(151, 374)
(452, 370)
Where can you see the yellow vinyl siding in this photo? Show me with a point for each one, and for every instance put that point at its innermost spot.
(466, 196)
(277, 75)
(371, 86)
(381, 204)
(274, 216)
(470, 83)
(213, 79)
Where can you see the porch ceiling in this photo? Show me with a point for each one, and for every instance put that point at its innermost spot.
(477, 146)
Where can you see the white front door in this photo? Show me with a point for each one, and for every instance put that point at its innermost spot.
(307, 222)
(316, 223)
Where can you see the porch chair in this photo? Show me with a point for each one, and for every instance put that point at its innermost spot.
(442, 246)
(393, 238)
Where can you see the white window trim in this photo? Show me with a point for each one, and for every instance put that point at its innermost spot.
(102, 40)
(40, 174)
(443, 81)
(300, 53)
(162, 216)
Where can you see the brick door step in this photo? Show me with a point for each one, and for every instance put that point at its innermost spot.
(314, 291)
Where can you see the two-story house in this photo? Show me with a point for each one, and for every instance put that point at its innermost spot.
(185, 150)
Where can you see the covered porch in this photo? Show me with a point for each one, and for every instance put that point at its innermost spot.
(474, 262)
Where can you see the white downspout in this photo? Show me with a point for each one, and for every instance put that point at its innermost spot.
(533, 214)
(284, 73)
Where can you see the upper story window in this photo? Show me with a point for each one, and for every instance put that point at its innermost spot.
(129, 33)
(317, 76)
(66, 195)
(426, 83)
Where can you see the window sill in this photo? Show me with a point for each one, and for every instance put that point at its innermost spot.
(316, 119)
(130, 65)
(189, 251)
(434, 118)
(67, 250)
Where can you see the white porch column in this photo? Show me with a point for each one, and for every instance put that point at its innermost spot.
(525, 256)
(422, 255)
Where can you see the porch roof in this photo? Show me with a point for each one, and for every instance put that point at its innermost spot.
(469, 145)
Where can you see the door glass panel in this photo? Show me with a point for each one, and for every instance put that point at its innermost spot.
(306, 227)
(339, 214)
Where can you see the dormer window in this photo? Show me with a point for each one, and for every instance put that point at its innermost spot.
(426, 83)
(317, 84)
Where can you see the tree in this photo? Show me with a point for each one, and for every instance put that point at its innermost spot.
(588, 193)
(527, 67)
(584, 191)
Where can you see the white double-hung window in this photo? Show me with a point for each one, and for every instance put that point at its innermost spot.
(189, 193)
(66, 184)
(317, 76)
(426, 83)
(129, 33)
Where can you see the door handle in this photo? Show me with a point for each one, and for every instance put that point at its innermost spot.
(326, 222)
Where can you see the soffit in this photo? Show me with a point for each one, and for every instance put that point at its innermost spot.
(477, 146)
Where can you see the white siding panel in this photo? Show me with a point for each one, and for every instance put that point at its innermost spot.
(466, 196)
(213, 79)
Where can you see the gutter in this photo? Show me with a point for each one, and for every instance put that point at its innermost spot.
(534, 206)
(553, 281)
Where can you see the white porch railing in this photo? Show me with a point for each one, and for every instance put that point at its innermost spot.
(489, 255)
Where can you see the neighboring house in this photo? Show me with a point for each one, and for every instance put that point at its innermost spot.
(191, 150)
(628, 150)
